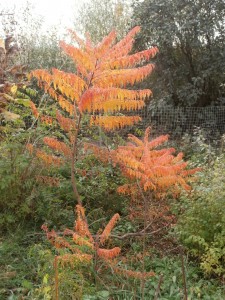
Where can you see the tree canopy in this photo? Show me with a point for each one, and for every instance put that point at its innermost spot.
(190, 37)
(99, 17)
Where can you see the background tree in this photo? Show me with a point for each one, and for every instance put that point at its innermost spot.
(99, 17)
(190, 36)
(34, 50)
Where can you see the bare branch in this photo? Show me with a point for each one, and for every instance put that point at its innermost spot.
(140, 233)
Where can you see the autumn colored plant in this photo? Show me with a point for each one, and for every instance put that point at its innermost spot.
(81, 246)
(153, 173)
(98, 88)
(14, 87)
(82, 236)
(101, 89)
(149, 167)
(158, 170)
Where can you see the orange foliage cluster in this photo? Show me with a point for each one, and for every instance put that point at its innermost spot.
(34, 109)
(157, 170)
(99, 88)
(49, 160)
(102, 153)
(81, 236)
(105, 234)
(81, 225)
(30, 148)
(103, 72)
(57, 146)
(114, 122)
(113, 99)
(43, 118)
(65, 123)
(51, 181)
(108, 253)
(66, 105)
(133, 274)
(47, 120)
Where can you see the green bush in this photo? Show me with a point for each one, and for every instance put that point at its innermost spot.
(201, 223)
(25, 201)
(16, 185)
(98, 185)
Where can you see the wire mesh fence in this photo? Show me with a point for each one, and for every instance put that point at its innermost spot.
(181, 120)
(173, 121)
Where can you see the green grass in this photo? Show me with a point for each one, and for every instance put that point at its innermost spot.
(18, 270)
(25, 259)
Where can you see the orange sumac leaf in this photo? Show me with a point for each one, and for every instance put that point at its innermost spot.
(34, 109)
(57, 146)
(51, 181)
(133, 274)
(105, 234)
(48, 159)
(114, 122)
(66, 124)
(108, 253)
(81, 225)
(47, 120)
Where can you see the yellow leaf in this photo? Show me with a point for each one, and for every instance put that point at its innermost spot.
(13, 89)
(2, 44)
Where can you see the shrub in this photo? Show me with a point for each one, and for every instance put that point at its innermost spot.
(201, 224)
(27, 197)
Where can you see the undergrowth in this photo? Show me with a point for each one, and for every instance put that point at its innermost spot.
(27, 273)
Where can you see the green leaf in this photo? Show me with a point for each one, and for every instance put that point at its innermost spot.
(45, 279)
(24, 102)
(27, 284)
(103, 294)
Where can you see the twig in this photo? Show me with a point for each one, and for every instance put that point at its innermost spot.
(184, 277)
(74, 148)
(158, 287)
(140, 233)
(6, 14)
(144, 240)
(96, 221)
(56, 278)
(174, 248)
(119, 237)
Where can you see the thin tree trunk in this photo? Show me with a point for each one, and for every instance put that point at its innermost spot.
(73, 160)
